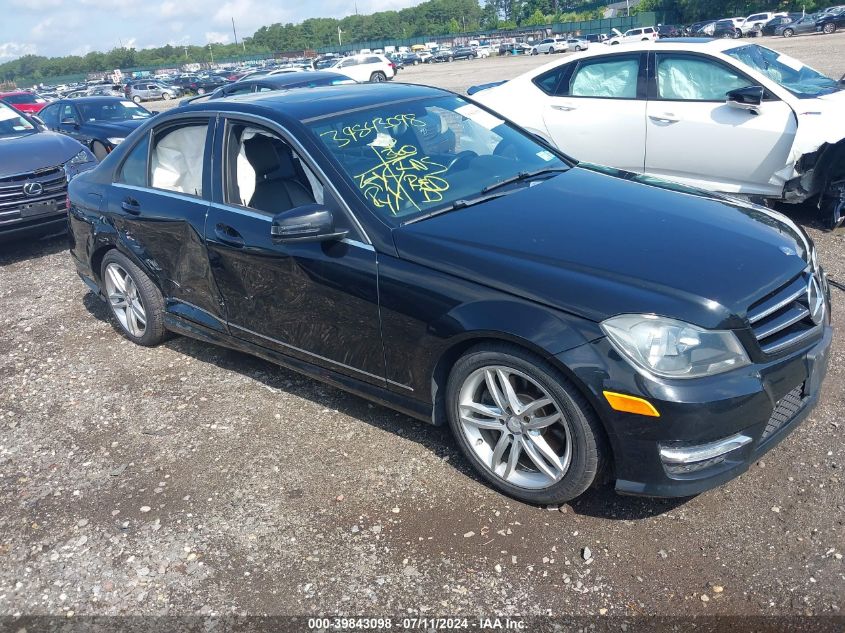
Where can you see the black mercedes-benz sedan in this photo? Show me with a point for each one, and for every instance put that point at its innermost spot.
(35, 166)
(570, 323)
(99, 123)
(268, 83)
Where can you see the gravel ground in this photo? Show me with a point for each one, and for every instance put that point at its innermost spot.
(189, 479)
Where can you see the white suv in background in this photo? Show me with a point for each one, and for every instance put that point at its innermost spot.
(753, 24)
(551, 45)
(631, 36)
(363, 68)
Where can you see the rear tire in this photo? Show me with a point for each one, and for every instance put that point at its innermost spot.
(167, 96)
(829, 28)
(378, 77)
(574, 440)
(128, 288)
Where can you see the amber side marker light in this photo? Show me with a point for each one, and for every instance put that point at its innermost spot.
(630, 404)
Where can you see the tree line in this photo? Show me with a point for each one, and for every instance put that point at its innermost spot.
(430, 18)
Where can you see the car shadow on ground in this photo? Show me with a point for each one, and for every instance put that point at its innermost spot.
(15, 251)
(600, 502)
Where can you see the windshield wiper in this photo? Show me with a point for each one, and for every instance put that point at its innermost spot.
(524, 175)
(463, 203)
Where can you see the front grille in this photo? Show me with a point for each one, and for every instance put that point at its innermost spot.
(783, 318)
(785, 410)
(54, 187)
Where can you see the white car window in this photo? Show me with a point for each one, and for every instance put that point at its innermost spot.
(612, 79)
(689, 79)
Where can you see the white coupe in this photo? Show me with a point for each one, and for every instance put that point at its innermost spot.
(719, 115)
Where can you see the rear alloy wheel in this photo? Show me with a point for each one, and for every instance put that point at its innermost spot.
(136, 99)
(788, 32)
(378, 77)
(577, 49)
(166, 96)
(134, 299)
(99, 150)
(523, 426)
(829, 28)
(535, 52)
(737, 34)
(200, 91)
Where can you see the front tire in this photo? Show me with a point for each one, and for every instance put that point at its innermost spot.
(136, 99)
(166, 96)
(829, 28)
(524, 427)
(788, 32)
(135, 301)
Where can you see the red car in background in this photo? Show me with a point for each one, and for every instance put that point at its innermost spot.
(26, 102)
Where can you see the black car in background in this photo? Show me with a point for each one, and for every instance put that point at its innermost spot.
(405, 244)
(464, 52)
(780, 20)
(801, 26)
(831, 22)
(443, 55)
(670, 30)
(285, 81)
(35, 165)
(99, 123)
(726, 29)
(411, 59)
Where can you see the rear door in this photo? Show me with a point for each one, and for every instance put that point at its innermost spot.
(696, 138)
(159, 202)
(596, 109)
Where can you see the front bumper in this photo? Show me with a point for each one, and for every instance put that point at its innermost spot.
(709, 430)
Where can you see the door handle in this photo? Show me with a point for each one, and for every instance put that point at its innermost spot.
(229, 236)
(664, 118)
(130, 205)
(564, 108)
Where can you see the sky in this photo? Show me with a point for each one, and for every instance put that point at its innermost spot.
(75, 27)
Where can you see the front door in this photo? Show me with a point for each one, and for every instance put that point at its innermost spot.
(598, 112)
(696, 138)
(315, 301)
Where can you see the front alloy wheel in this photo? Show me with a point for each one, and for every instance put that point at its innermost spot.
(525, 428)
(514, 427)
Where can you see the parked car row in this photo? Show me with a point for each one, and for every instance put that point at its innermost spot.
(770, 23)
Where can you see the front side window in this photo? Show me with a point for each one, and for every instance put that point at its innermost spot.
(681, 78)
(800, 80)
(68, 115)
(50, 116)
(613, 78)
(177, 160)
(264, 173)
(408, 159)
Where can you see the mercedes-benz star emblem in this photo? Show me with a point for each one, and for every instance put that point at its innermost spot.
(33, 189)
(815, 300)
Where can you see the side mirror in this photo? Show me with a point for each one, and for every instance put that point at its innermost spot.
(308, 223)
(748, 98)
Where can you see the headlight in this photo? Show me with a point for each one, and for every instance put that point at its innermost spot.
(84, 156)
(674, 349)
(115, 140)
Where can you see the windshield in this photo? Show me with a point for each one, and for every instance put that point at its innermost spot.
(408, 159)
(113, 111)
(23, 98)
(12, 123)
(793, 75)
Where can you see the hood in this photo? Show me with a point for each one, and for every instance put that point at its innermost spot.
(617, 32)
(598, 245)
(105, 129)
(35, 151)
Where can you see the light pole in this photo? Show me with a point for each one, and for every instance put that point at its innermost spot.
(210, 50)
(339, 38)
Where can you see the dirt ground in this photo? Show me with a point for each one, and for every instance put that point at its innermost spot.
(189, 479)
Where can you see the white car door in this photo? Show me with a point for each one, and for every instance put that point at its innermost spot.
(695, 137)
(351, 67)
(596, 112)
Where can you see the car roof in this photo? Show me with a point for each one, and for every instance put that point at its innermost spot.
(320, 101)
(95, 99)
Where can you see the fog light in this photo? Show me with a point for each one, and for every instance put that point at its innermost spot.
(688, 459)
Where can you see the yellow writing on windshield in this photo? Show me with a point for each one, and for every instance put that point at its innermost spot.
(402, 178)
(391, 124)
